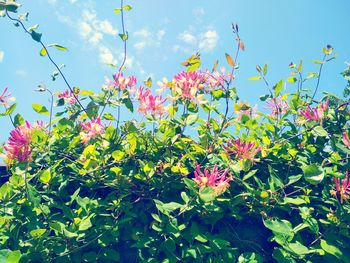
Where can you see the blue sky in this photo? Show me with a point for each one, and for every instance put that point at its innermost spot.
(164, 33)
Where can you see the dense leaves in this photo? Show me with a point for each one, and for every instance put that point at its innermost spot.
(203, 177)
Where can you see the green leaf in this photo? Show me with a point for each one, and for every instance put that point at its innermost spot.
(191, 119)
(185, 197)
(292, 79)
(36, 36)
(319, 131)
(117, 10)
(250, 257)
(85, 223)
(18, 119)
(9, 6)
(118, 155)
(45, 176)
(41, 109)
(313, 173)
(33, 195)
(37, 232)
(207, 194)
(58, 47)
(254, 78)
(9, 110)
(92, 110)
(331, 249)
(282, 227)
(124, 37)
(127, 7)
(43, 52)
(108, 116)
(14, 257)
(278, 88)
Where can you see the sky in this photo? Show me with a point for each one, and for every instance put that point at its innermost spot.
(162, 34)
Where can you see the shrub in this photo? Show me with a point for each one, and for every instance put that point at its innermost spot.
(241, 185)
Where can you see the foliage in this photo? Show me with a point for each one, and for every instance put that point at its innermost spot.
(240, 186)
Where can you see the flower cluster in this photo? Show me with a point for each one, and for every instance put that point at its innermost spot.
(119, 81)
(218, 180)
(187, 86)
(315, 114)
(342, 188)
(277, 105)
(242, 150)
(18, 145)
(218, 78)
(6, 99)
(150, 104)
(68, 97)
(91, 130)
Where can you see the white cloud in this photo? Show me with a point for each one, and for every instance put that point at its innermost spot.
(72, 1)
(84, 29)
(146, 38)
(205, 41)
(106, 27)
(106, 56)
(208, 40)
(2, 54)
(51, 2)
(188, 37)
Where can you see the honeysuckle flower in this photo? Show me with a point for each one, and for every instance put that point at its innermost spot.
(277, 105)
(346, 139)
(242, 109)
(6, 99)
(91, 129)
(342, 188)
(150, 104)
(214, 178)
(187, 86)
(18, 145)
(218, 78)
(68, 97)
(124, 82)
(242, 150)
(315, 114)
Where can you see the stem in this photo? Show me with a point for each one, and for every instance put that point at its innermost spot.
(124, 58)
(319, 77)
(50, 58)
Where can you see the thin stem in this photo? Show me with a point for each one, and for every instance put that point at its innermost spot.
(50, 58)
(319, 77)
(124, 59)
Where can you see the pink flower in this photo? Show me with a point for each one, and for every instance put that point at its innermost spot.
(6, 99)
(342, 188)
(213, 178)
(217, 79)
(18, 145)
(186, 86)
(242, 150)
(315, 114)
(346, 139)
(278, 106)
(68, 97)
(124, 82)
(91, 130)
(150, 104)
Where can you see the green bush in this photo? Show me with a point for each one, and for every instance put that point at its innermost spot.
(192, 182)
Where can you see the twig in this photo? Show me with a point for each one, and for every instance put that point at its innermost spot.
(50, 58)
